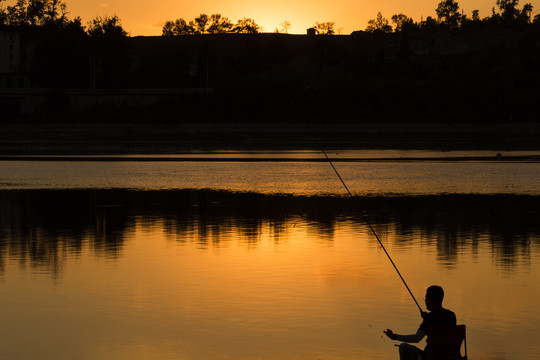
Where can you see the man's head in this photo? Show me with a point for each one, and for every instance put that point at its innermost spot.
(434, 297)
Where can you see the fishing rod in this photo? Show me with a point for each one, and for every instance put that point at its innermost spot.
(370, 227)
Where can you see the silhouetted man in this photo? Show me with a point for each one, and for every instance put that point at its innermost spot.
(437, 316)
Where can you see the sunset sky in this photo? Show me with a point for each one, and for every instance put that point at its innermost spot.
(147, 17)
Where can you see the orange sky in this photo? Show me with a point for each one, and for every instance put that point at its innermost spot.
(147, 17)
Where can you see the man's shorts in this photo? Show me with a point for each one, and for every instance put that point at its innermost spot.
(410, 352)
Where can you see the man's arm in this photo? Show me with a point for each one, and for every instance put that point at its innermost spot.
(413, 338)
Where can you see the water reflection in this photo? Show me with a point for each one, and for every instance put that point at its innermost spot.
(43, 228)
(156, 274)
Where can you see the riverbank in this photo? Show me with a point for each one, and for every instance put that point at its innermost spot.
(86, 139)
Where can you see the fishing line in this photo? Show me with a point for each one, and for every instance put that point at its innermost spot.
(368, 223)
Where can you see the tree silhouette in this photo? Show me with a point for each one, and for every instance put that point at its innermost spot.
(526, 12)
(16, 14)
(218, 24)
(75, 28)
(473, 22)
(510, 14)
(177, 27)
(106, 27)
(403, 22)
(379, 24)
(109, 50)
(35, 13)
(3, 15)
(325, 28)
(247, 26)
(430, 24)
(448, 13)
(200, 24)
(508, 9)
(213, 24)
(285, 25)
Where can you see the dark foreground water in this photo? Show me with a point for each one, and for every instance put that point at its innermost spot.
(207, 274)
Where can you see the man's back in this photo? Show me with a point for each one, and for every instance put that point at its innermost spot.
(445, 343)
(438, 317)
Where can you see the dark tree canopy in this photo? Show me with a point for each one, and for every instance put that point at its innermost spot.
(219, 25)
(379, 24)
(35, 13)
(213, 24)
(510, 14)
(448, 13)
(325, 28)
(177, 27)
(508, 8)
(247, 26)
(200, 24)
(403, 22)
(106, 27)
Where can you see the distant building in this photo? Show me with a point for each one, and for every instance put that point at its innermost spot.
(12, 74)
(9, 58)
(311, 31)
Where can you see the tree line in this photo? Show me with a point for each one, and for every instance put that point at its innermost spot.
(432, 74)
(505, 13)
(217, 24)
(213, 24)
(449, 15)
(52, 14)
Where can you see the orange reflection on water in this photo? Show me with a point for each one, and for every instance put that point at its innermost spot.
(294, 287)
(239, 297)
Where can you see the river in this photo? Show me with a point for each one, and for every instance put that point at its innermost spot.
(264, 259)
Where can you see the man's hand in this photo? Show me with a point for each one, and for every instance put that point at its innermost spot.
(390, 334)
(423, 314)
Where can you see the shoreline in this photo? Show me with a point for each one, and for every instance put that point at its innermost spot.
(526, 158)
(159, 139)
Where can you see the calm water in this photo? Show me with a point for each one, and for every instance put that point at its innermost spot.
(267, 173)
(89, 270)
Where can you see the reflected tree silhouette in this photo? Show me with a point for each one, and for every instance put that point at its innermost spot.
(43, 229)
(456, 222)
